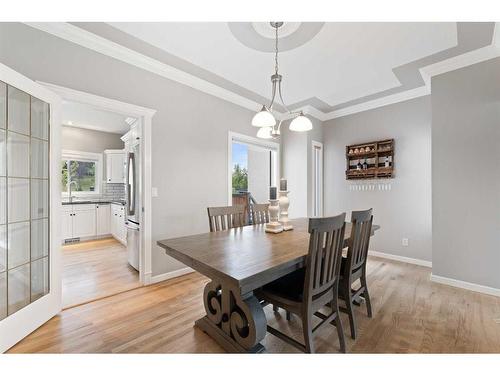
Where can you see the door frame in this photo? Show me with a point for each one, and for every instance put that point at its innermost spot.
(145, 116)
(314, 145)
(238, 137)
(18, 325)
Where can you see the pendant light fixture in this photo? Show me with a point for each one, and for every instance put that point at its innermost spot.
(265, 119)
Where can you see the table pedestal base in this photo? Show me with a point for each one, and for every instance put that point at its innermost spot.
(237, 322)
(227, 343)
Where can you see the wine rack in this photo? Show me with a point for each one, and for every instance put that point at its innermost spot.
(370, 160)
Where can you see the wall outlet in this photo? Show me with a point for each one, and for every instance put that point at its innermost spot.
(404, 242)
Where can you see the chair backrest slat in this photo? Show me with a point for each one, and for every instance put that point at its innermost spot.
(227, 217)
(359, 241)
(260, 213)
(325, 252)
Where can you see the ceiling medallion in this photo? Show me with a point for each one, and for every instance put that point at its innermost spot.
(265, 119)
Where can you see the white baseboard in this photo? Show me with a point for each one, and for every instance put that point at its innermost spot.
(418, 262)
(170, 275)
(466, 285)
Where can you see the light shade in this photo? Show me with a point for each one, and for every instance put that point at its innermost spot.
(265, 133)
(263, 118)
(301, 124)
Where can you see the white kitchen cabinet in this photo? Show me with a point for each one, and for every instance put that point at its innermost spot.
(67, 222)
(118, 229)
(115, 166)
(103, 219)
(84, 220)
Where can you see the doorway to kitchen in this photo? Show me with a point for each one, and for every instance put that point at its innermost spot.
(105, 172)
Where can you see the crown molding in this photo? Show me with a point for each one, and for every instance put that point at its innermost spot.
(106, 47)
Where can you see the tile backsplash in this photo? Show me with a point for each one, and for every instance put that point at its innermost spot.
(113, 191)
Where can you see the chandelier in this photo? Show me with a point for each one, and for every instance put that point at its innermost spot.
(265, 119)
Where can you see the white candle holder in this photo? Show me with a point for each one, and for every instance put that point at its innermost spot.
(274, 226)
(283, 206)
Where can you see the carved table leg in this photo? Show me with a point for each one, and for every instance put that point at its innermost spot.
(236, 322)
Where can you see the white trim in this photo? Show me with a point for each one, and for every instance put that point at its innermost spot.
(398, 258)
(96, 43)
(18, 325)
(465, 285)
(170, 275)
(243, 138)
(314, 145)
(458, 62)
(145, 115)
(106, 47)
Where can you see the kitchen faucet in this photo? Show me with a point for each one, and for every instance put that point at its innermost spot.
(71, 190)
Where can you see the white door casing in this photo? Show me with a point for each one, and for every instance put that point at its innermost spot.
(15, 327)
(317, 178)
(145, 116)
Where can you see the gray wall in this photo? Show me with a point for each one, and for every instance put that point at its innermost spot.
(405, 210)
(79, 139)
(189, 132)
(466, 174)
(296, 158)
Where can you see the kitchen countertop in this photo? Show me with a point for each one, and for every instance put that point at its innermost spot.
(93, 201)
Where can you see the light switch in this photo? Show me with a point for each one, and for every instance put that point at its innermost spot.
(154, 192)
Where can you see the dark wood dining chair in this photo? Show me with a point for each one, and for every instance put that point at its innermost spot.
(307, 290)
(354, 266)
(260, 213)
(227, 217)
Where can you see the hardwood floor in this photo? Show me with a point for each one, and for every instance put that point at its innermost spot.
(95, 269)
(411, 315)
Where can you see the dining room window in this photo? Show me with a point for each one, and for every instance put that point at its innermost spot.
(253, 168)
(83, 171)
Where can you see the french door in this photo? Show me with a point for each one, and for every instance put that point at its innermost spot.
(30, 280)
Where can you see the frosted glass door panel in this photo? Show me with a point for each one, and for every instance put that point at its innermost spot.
(3, 155)
(18, 290)
(39, 157)
(3, 295)
(39, 199)
(3, 248)
(39, 238)
(3, 106)
(18, 244)
(19, 199)
(18, 155)
(18, 111)
(39, 119)
(24, 200)
(39, 278)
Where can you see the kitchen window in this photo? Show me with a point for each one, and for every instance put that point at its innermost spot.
(83, 170)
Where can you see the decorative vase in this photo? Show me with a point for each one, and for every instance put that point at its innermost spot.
(274, 226)
(283, 206)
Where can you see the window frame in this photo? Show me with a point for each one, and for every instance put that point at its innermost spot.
(85, 157)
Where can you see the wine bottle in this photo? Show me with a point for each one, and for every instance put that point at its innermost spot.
(365, 165)
(387, 163)
(359, 166)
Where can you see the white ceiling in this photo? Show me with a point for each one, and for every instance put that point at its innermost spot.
(344, 61)
(88, 117)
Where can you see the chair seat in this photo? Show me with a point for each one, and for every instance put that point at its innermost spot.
(289, 287)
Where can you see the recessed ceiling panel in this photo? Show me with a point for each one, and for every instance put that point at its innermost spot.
(339, 63)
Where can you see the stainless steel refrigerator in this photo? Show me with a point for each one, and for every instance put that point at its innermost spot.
(133, 205)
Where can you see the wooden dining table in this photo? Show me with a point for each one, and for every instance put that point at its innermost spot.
(239, 261)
